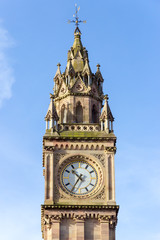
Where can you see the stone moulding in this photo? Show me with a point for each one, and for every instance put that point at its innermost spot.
(89, 207)
(78, 137)
(78, 147)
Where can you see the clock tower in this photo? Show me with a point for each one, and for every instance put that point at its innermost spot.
(78, 154)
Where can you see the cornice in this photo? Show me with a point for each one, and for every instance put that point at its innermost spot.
(78, 138)
(85, 207)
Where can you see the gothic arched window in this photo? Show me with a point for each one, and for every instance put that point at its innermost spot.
(94, 114)
(63, 114)
(79, 113)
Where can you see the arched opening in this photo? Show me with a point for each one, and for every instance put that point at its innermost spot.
(63, 114)
(100, 85)
(94, 114)
(79, 113)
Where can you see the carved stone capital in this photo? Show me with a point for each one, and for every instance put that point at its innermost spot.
(104, 218)
(49, 148)
(47, 221)
(56, 218)
(79, 218)
(110, 149)
(113, 223)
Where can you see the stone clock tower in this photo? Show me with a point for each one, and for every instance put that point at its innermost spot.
(78, 154)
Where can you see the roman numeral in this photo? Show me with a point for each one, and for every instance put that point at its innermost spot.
(72, 166)
(86, 167)
(91, 171)
(91, 184)
(67, 171)
(86, 189)
(67, 184)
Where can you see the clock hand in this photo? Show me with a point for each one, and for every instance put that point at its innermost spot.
(79, 178)
(77, 175)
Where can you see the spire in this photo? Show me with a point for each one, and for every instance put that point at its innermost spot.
(69, 68)
(58, 70)
(98, 74)
(77, 45)
(87, 68)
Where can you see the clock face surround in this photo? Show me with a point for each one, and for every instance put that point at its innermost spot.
(79, 178)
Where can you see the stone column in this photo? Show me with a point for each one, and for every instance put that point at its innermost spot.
(56, 228)
(106, 175)
(47, 175)
(52, 122)
(47, 228)
(106, 125)
(101, 125)
(89, 83)
(79, 227)
(113, 229)
(104, 221)
(112, 126)
(51, 176)
(113, 178)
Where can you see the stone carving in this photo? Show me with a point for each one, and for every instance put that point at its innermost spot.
(79, 217)
(47, 221)
(58, 156)
(79, 87)
(58, 194)
(80, 127)
(101, 158)
(113, 222)
(104, 218)
(101, 195)
(55, 218)
(110, 149)
(49, 148)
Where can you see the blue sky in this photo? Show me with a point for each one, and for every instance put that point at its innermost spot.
(123, 36)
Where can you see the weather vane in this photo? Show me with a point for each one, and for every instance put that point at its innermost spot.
(76, 21)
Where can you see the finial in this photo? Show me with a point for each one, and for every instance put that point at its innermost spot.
(98, 67)
(86, 59)
(106, 97)
(58, 70)
(76, 20)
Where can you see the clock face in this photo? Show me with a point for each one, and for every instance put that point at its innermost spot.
(79, 178)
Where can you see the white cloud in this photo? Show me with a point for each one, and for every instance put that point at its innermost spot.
(6, 71)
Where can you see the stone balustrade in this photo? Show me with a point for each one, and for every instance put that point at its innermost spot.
(80, 127)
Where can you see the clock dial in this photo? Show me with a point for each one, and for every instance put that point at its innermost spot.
(79, 178)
